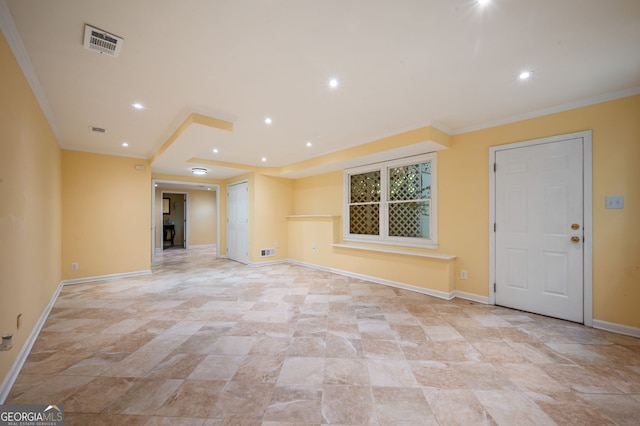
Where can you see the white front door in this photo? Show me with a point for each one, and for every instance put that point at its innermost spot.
(539, 224)
(238, 222)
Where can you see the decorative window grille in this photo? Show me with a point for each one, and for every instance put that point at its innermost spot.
(392, 202)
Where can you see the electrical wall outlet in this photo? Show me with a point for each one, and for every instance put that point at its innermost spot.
(463, 274)
(74, 266)
(615, 202)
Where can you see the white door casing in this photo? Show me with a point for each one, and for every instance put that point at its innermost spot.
(541, 220)
(238, 222)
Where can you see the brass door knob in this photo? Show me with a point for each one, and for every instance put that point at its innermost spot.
(575, 226)
(575, 240)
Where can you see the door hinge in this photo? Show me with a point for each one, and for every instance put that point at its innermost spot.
(494, 227)
(494, 167)
(494, 287)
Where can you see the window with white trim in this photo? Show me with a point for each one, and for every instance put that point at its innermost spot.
(392, 202)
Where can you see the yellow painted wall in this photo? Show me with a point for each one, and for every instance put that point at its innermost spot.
(106, 220)
(317, 195)
(463, 169)
(30, 215)
(463, 210)
(272, 202)
(311, 238)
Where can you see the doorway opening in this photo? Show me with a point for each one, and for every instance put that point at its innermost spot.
(174, 220)
(185, 214)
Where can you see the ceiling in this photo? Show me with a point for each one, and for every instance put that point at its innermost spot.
(209, 72)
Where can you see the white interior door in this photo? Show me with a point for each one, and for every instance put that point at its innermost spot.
(539, 222)
(238, 222)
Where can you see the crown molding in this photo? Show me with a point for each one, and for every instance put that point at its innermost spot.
(551, 110)
(11, 34)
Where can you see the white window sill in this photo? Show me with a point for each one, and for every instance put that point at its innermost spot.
(312, 216)
(438, 256)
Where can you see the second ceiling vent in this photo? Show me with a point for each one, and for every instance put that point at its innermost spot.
(101, 41)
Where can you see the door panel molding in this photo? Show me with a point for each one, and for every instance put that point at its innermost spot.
(587, 213)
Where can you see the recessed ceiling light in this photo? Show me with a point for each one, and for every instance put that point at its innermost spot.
(199, 171)
(483, 2)
(309, 144)
(125, 144)
(137, 105)
(215, 150)
(263, 159)
(333, 83)
(524, 75)
(268, 120)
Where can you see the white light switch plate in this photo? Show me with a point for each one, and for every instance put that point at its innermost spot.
(615, 202)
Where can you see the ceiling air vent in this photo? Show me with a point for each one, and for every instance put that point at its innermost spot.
(97, 129)
(101, 41)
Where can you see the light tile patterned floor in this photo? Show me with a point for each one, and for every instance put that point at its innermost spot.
(213, 342)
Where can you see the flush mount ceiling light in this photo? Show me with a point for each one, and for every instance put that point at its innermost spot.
(525, 75)
(483, 2)
(125, 144)
(268, 120)
(309, 144)
(333, 83)
(137, 105)
(215, 150)
(199, 171)
(263, 159)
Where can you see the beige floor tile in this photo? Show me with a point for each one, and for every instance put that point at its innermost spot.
(458, 407)
(52, 390)
(243, 401)
(621, 409)
(512, 408)
(217, 367)
(568, 409)
(295, 403)
(145, 397)
(390, 373)
(340, 371)
(348, 405)
(96, 395)
(302, 371)
(192, 399)
(259, 369)
(402, 406)
(436, 375)
(206, 341)
(176, 366)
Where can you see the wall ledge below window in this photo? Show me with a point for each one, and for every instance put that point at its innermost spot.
(312, 216)
(439, 256)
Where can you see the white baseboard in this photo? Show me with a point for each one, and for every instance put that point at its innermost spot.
(13, 373)
(203, 246)
(616, 328)
(309, 265)
(473, 297)
(106, 277)
(416, 289)
(268, 262)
